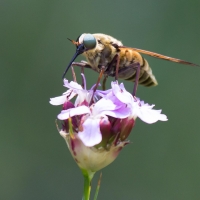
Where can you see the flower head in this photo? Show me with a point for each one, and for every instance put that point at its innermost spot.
(97, 125)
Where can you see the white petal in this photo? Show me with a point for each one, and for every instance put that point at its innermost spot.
(83, 95)
(91, 134)
(70, 94)
(65, 114)
(150, 116)
(72, 85)
(58, 100)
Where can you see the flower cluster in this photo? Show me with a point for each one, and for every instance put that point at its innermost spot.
(97, 125)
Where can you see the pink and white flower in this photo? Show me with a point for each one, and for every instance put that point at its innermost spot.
(101, 122)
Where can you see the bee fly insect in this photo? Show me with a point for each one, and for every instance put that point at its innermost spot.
(101, 50)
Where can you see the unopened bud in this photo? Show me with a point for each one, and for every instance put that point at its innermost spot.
(105, 128)
(126, 127)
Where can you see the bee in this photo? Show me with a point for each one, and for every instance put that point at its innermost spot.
(104, 51)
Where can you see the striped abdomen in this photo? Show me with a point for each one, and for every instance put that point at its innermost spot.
(129, 60)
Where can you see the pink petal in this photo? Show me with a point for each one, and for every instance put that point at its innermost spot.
(103, 105)
(103, 93)
(121, 93)
(121, 113)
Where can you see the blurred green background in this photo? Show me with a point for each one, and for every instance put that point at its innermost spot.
(163, 161)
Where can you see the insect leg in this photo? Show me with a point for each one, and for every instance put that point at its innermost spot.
(109, 70)
(104, 82)
(98, 81)
(117, 67)
(136, 79)
(82, 64)
(133, 70)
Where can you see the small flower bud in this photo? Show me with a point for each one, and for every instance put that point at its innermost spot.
(127, 125)
(105, 128)
(67, 105)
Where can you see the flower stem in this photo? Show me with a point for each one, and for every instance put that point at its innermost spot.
(87, 183)
(98, 187)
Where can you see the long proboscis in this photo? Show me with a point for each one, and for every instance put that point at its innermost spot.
(72, 60)
(156, 55)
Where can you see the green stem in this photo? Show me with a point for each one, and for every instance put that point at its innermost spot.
(87, 183)
(98, 187)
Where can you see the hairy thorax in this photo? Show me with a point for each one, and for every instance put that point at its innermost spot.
(104, 52)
